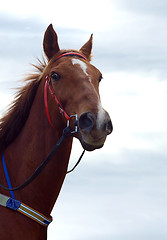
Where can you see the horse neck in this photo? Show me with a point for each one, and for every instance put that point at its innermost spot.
(30, 149)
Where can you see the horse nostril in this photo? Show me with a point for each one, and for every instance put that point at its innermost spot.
(109, 127)
(86, 121)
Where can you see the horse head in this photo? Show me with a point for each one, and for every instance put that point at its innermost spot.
(75, 81)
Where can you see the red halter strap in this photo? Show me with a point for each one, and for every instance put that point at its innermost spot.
(48, 84)
(75, 54)
(62, 111)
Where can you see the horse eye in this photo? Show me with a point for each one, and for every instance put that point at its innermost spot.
(55, 76)
(100, 78)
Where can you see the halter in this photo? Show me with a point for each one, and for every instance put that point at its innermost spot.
(11, 202)
(48, 85)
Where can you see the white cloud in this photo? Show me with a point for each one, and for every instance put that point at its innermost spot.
(149, 7)
(89, 15)
(119, 197)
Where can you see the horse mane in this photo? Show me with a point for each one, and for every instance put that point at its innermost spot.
(14, 120)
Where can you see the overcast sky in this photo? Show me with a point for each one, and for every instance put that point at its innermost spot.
(118, 192)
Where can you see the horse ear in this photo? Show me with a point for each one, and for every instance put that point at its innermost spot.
(50, 43)
(87, 48)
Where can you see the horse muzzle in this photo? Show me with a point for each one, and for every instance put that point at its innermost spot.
(94, 130)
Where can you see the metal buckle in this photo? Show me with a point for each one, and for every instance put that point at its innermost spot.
(75, 123)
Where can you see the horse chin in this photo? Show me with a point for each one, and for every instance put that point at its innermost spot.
(90, 146)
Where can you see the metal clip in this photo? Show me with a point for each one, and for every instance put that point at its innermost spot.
(75, 123)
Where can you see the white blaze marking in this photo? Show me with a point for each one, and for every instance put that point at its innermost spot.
(100, 115)
(82, 65)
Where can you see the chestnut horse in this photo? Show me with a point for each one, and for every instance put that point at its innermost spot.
(65, 89)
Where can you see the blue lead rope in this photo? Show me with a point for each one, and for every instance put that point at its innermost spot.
(7, 176)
